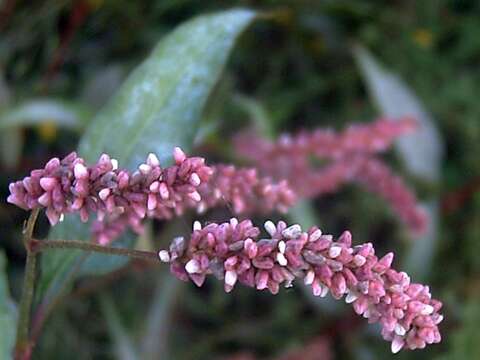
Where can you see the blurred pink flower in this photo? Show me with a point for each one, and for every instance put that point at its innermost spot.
(325, 143)
(245, 190)
(318, 348)
(346, 157)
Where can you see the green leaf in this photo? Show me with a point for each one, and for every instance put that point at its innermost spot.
(33, 112)
(8, 314)
(11, 144)
(101, 85)
(157, 108)
(419, 257)
(123, 345)
(158, 324)
(257, 112)
(421, 151)
(463, 341)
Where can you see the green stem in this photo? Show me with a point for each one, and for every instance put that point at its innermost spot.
(22, 346)
(41, 245)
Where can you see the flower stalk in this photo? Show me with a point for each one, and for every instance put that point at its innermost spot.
(41, 245)
(23, 346)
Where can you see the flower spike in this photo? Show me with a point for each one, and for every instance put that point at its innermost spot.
(234, 252)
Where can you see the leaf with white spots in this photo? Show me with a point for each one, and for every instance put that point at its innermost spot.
(158, 107)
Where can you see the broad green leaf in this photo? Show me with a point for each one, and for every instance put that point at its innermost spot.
(37, 111)
(421, 151)
(157, 108)
(8, 314)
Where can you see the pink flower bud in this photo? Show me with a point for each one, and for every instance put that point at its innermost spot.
(48, 183)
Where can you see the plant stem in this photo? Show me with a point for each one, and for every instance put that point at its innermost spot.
(22, 346)
(41, 245)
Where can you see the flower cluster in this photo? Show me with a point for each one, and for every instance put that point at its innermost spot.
(121, 199)
(346, 157)
(368, 138)
(245, 191)
(233, 253)
(68, 185)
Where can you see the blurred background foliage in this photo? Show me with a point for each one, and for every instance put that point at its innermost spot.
(60, 61)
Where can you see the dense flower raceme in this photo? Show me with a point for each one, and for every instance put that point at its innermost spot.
(122, 199)
(346, 157)
(371, 173)
(241, 188)
(325, 143)
(235, 252)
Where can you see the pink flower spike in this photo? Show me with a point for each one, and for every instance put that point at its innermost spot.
(120, 199)
(407, 313)
(351, 158)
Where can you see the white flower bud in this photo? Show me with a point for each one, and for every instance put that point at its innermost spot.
(80, 171)
(104, 193)
(164, 256)
(315, 235)
(270, 227)
(292, 231)
(192, 267)
(334, 251)
(145, 169)
(152, 160)
(309, 277)
(197, 225)
(282, 260)
(230, 277)
(397, 344)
